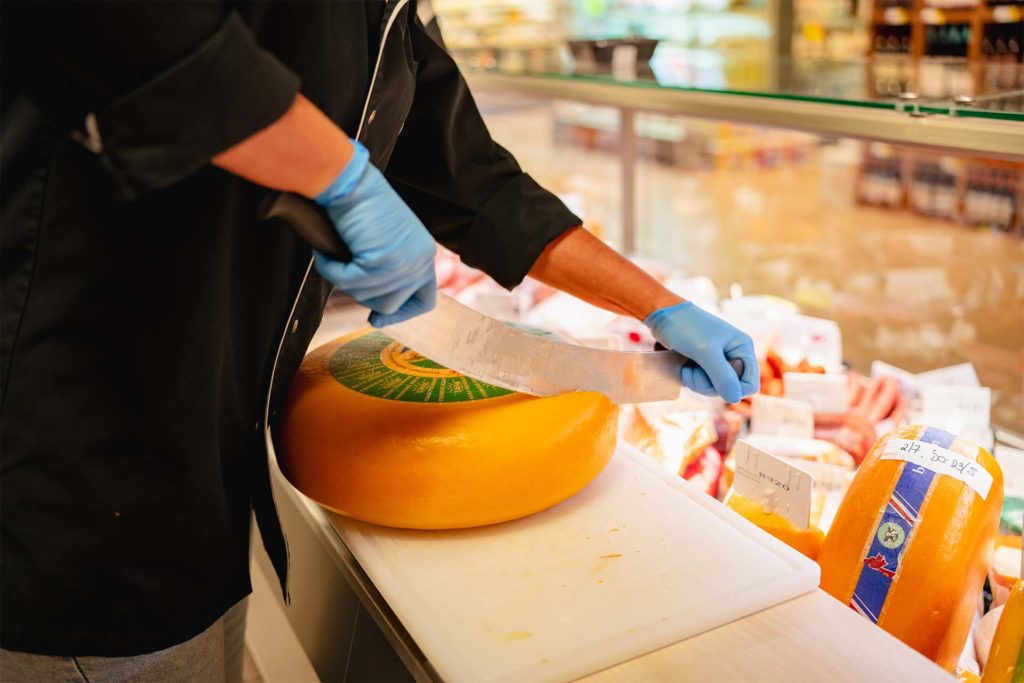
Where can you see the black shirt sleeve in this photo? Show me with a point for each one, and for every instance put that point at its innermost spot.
(169, 84)
(467, 189)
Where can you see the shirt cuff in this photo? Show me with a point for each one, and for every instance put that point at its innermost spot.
(512, 229)
(217, 96)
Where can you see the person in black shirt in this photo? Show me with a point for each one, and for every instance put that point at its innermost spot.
(150, 322)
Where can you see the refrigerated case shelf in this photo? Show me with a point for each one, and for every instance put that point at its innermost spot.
(942, 125)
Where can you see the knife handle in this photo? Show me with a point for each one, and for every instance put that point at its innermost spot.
(309, 221)
(736, 363)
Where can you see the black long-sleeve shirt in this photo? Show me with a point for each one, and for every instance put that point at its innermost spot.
(145, 308)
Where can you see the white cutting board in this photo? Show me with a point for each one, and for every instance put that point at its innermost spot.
(638, 560)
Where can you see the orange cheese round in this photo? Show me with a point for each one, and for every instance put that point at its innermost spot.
(377, 432)
(807, 541)
(913, 537)
(1005, 663)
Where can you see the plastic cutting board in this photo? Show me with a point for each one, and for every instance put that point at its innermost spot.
(636, 561)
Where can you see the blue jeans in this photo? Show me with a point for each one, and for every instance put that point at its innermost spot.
(213, 656)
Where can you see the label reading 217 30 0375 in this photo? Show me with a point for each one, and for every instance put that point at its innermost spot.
(941, 461)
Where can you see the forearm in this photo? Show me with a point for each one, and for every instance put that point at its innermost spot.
(302, 152)
(582, 265)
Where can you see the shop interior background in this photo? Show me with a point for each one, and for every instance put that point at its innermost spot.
(917, 255)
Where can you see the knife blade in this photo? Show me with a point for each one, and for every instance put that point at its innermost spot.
(497, 352)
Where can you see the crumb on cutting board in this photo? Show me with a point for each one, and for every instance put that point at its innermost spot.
(517, 635)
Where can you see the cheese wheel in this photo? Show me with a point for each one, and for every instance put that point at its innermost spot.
(912, 540)
(375, 431)
(807, 541)
(965, 676)
(1005, 663)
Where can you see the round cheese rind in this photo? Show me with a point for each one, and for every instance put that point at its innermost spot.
(911, 543)
(374, 431)
(807, 541)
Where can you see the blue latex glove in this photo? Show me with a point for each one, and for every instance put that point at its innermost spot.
(392, 267)
(710, 342)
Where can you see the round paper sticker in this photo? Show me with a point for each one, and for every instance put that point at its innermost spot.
(891, 535)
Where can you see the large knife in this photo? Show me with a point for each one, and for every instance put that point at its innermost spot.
(494, 351)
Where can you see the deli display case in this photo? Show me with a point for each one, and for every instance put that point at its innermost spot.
(844, 181)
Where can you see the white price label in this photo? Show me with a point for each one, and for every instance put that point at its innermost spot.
(966, 411)
(941, 461)
(1011, 460)
(782, 416)
(818, 340)
(907, 380)
(826, 478)
(762, 477)
(827, 393)
(961, 375)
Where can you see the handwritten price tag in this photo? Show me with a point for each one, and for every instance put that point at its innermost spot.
(966, 411)
(782, 416)
(941, 461)
(826, 393)
(961, 375)
(762, 477)
(907, 380)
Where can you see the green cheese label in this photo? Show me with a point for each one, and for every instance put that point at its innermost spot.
(376, 365)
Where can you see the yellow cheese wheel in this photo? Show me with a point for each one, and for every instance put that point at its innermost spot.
(913, 537)
(807, 541)
(377, 432)
(1005, 663)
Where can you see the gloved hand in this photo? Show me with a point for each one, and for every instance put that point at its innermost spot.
(710, 342)
(392, 267)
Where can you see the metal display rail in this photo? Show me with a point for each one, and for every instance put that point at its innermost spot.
(910, 122)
